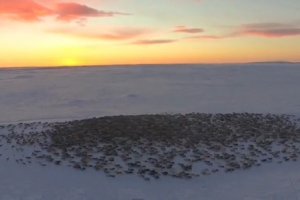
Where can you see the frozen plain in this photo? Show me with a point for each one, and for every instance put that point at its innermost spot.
(73, 93)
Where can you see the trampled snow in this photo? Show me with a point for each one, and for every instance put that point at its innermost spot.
(73, 93)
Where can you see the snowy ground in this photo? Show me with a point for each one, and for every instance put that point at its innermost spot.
(71, 93)
(274, 182)
(68, 93)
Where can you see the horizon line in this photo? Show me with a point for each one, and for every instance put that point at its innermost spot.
(147, 64)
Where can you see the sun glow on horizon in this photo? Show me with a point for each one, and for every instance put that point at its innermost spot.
(70, 62)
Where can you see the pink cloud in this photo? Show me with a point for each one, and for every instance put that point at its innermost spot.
(32, 11)
(183, 29)
(273, 33)
(72, 11)
(267, 30)
(121, 34)
(133, 35)
(116, 34)
(270, 30)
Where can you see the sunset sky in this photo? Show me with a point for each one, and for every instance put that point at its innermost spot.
(91, 32)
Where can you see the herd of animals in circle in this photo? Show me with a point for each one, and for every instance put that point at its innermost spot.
(155, 146)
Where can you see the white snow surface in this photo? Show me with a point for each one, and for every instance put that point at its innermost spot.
(56, 94)
(69, 93)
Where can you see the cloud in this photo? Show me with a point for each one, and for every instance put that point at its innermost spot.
(184, 29)
(23, 10)
(73, 11)
(120, 34)
(149, 42)
(31, 11)
(131, 35)
(269, 30)
(125, 33)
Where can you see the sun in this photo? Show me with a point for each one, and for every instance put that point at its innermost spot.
(69, 62)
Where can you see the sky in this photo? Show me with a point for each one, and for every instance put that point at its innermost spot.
(107, 32)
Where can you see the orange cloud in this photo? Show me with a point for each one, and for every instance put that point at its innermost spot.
(149, 42)
(23, 10)
(184, 29)
(31, 11)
